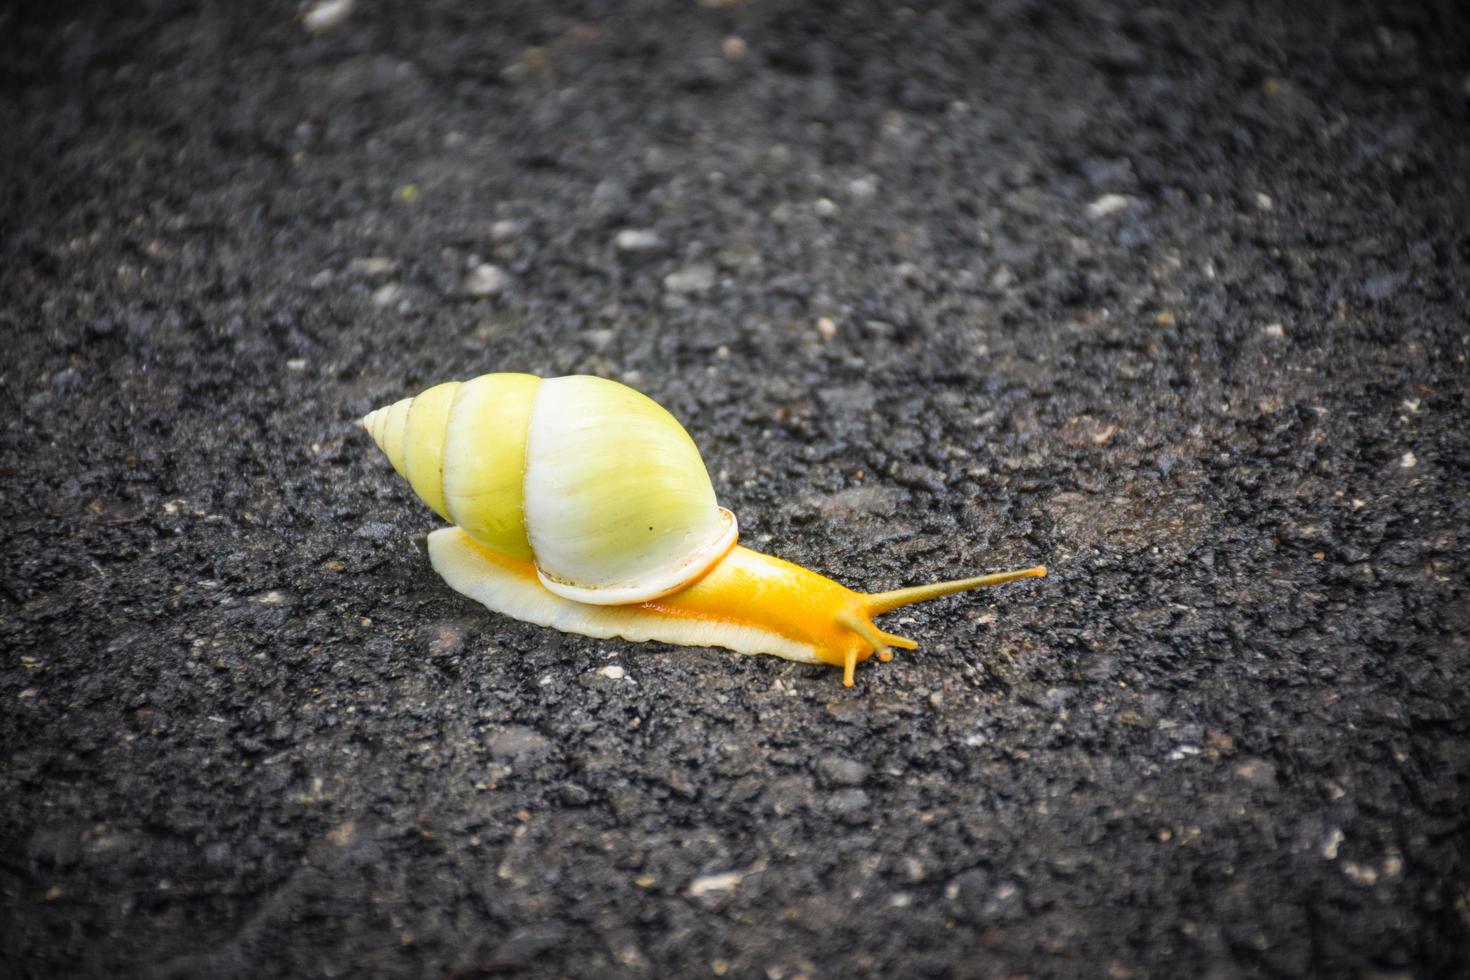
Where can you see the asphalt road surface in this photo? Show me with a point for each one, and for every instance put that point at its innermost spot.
(1171, 299)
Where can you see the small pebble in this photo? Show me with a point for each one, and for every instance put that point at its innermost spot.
(1257, 772)
(827, 327)
(825, 207)
(447, 639)
(1108, 204)
(505, 230)
(734, 48)
(610, 196)
(296, 364)
(696, 278)
(327, 14)
(714, 883)
(613, 672)
(387, 295)
(637, 240)
(1382, 287)
(520, 744)
(850, 806)
(863, 188)
(1264, 202)
(841, 771)
(370, 266)
(486, 280)
(1274, 330)
(1408, 461)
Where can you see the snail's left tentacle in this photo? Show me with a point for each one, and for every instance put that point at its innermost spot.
(882, 602)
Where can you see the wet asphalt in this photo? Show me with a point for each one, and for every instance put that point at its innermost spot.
(1171, 299)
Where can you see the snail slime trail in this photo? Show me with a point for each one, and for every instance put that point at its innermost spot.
(583, 506)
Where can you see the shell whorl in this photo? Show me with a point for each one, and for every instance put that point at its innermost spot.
(594, 482)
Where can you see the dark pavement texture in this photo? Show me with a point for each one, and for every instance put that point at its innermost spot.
(1172, 299)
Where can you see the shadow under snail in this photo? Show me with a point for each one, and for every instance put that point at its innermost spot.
(584, 506)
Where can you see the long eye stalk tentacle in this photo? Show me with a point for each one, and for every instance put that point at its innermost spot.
(882, 602)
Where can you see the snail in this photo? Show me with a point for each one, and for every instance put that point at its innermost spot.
(582, 505)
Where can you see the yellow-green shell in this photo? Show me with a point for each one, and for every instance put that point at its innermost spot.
(593, 481)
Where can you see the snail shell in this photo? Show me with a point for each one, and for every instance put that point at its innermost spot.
(595, 483)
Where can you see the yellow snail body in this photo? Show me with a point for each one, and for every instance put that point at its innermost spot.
(584, 506)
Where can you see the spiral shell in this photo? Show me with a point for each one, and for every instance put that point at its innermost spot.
(592, 481)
